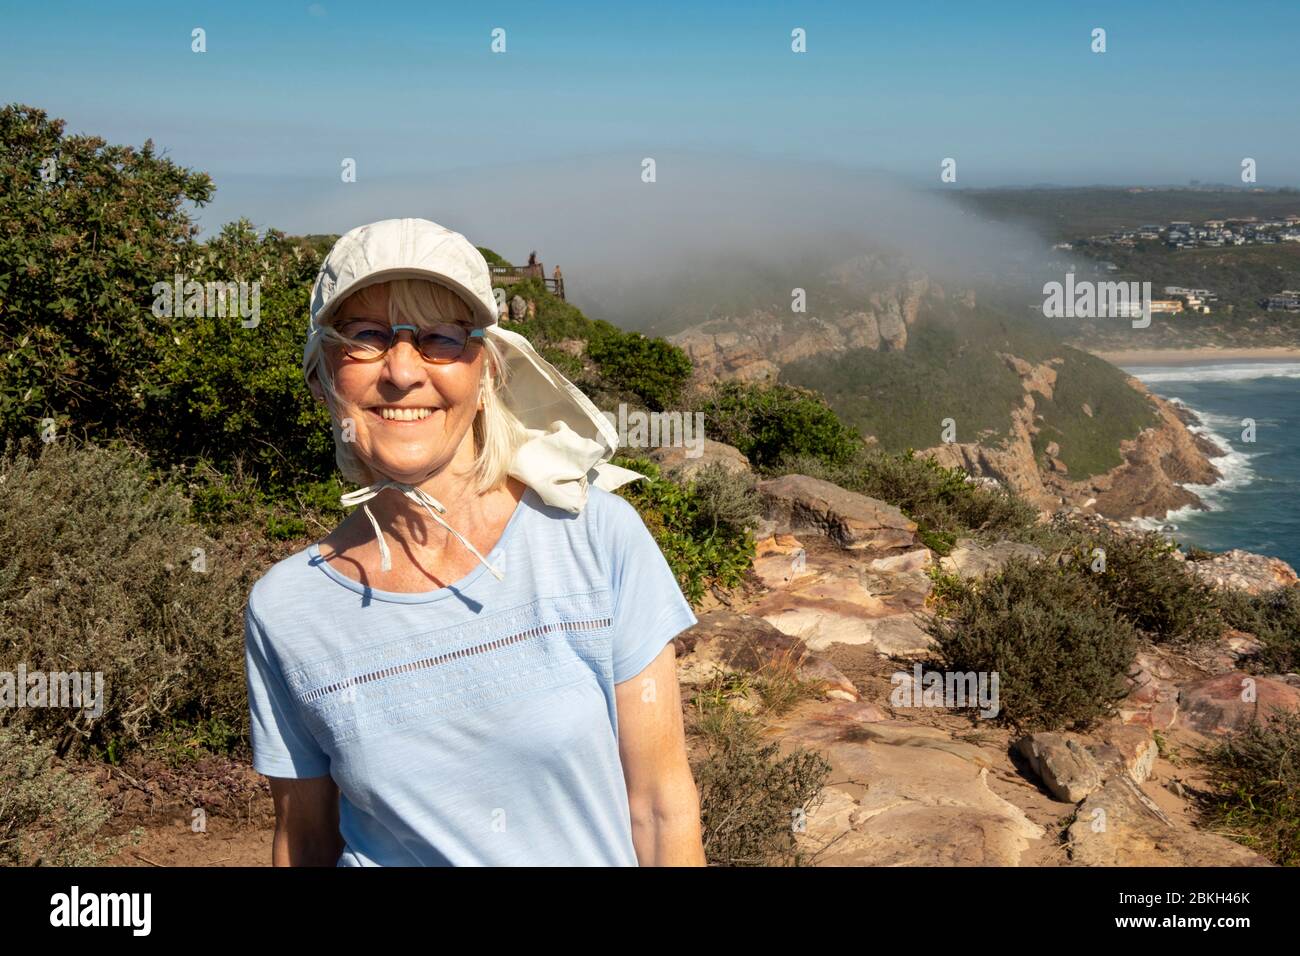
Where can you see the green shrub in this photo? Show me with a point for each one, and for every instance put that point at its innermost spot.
(1274, 618)
(1146, 584)
(1255, 780)
(221, 392)
(1059, 649)
(48, 816)
(695, 527)
(770, 423)
(78, 258)
(99, 573)
(654, 369)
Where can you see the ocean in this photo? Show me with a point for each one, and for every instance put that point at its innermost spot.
(1256, 506)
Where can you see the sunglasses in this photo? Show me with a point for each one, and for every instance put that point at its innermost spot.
(366, 340)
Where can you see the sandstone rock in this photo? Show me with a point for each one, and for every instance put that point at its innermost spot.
(1064, 765)
(1231, 702)
(679, 458)
(1243, 571)
(926, 800)
(799, 503)
(917, 560)
(726, 642)
(779, 560)
(1119, 825)
(898, 635)
(828, 608)
(1126, 749)
(969, 559)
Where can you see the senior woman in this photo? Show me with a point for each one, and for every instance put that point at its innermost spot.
(410, 709)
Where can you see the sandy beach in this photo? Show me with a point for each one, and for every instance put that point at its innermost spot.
(1200, 356)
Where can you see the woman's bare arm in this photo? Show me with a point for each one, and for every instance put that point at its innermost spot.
(306, 822)
(661, 792)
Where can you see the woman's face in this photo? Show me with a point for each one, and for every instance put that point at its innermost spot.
(404, 448)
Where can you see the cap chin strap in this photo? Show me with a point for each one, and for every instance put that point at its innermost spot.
(420, 497)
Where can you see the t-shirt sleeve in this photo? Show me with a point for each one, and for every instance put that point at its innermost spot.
(649, 608)
(282, 744)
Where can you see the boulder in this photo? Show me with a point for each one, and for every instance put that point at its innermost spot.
(1064, 765)
(1119, 825)
(798, 503)
(679, 458)
(970, 559)
(903, 795)
(726, 642)
(1243, 571)
(1230, 703)
(1126, 749)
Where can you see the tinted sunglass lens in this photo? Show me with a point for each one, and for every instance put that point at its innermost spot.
(443, 343)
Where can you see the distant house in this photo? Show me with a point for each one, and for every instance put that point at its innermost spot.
(1287, 300)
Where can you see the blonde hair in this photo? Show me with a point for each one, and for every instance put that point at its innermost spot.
(425, 303)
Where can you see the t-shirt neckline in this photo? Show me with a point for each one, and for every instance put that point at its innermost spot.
(424, 597)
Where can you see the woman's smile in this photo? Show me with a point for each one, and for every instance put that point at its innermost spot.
(402, 414)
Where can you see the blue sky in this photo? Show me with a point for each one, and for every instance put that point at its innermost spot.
(1012, 91)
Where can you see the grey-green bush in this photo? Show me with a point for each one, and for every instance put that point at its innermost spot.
(1059, 649)
(99, 573)
(48, 817)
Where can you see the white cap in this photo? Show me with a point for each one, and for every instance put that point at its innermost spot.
(569, 441)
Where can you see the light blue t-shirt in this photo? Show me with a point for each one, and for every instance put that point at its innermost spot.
(474, 725)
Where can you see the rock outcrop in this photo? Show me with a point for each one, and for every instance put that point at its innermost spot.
(798, 503)
(907, 785)
(1243, 571)
(753, 347)
(1158, 462)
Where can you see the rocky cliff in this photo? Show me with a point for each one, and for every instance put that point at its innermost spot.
(882, 316)
(1158, 462)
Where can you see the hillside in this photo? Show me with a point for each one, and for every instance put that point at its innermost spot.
(973, 381)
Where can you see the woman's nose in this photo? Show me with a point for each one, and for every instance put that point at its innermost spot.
(404, 362)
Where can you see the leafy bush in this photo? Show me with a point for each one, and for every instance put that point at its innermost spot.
(694, 528)
(769, 423)
(651, 369)
(1274, 618)
(78, 257)
(654, 369)
(221, 392)
(48, 817)
(1146, 584)
(1255, 776)
(1059, 649)
(99, 573)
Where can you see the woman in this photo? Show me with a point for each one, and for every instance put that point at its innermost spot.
(409, 708)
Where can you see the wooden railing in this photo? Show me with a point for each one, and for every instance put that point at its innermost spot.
(509, 275)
